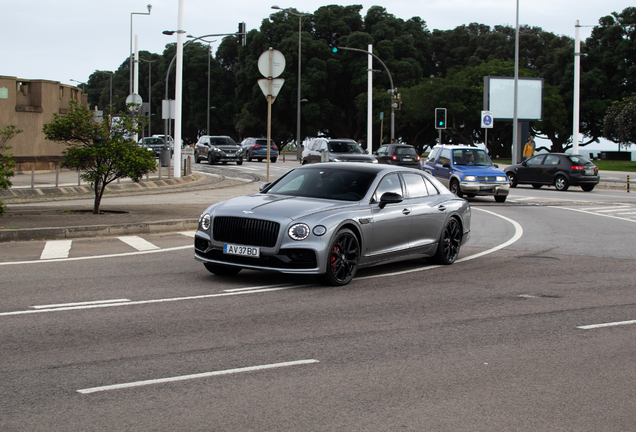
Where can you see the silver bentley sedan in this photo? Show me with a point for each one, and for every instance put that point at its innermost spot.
(331, 219)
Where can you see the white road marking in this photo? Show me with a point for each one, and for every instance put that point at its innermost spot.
(594, 213)
(99, 256)
(524, 198)
(79, 303)
(609, 210)
(196, 376)
(188, 233)
(612, 324)
(138, 243)
(143, 302)
(56, 249)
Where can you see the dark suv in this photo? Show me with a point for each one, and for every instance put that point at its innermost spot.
(218, 149)
(398, 154)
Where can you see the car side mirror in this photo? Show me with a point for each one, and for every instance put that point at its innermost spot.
(496, 165)
(446, 165)
(390, 198)
(264, 186)
(524, 163)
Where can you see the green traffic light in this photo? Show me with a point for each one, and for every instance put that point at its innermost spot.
(335, 49)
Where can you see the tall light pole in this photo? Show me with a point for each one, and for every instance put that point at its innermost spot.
(207, 130)
(131, 43)
(300, 18)
(150, 62)
(515, 157)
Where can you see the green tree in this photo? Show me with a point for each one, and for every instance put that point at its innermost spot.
(102, 150)
(620, 122)
(6, 160)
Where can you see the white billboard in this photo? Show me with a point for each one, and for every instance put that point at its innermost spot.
(499, 98)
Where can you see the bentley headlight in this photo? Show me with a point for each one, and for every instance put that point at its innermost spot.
(205, 222)
(470, 178)
(502, 178)
(299, 231)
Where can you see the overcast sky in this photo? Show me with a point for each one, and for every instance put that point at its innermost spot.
(70, 39)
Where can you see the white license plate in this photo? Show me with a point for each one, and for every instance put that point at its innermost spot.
(407, 160)
(486, 188)
(246, 251)
(589, 172)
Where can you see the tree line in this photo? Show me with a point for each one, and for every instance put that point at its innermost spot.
(429, 68)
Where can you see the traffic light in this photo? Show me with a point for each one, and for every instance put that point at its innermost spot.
(241, 33)
(440, 118)
(334, 42)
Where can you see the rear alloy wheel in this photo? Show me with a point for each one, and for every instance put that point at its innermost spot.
(449, 243)
(342, 259)
(221, 270)
(512, 179)
(588, 188)
(454, 188)
(273, 160)
(561, 183)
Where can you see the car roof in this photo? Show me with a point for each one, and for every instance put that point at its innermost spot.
(358, 167)
(458, 146)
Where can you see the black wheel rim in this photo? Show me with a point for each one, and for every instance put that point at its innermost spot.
(451, 241)
(454, 188)
(343, 258)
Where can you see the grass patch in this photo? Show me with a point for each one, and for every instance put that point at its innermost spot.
(611, 165)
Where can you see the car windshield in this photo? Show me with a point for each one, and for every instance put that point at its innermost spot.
(580, 160)
(223, 141)
(475, 157)
(345, 147)
(325, 183)
(153, 141)
(410, 151)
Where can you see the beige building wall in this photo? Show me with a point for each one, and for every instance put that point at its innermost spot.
(29, 104)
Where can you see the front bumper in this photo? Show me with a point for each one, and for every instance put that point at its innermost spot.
(225, 157)
(485, 188)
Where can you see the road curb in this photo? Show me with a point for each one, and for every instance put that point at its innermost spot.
(60, 233)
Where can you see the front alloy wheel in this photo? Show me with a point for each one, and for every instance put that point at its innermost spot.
(561, 183)
(449, 243)
(342, 259)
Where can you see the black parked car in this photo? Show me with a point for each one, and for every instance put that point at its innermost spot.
(559, 169)
(398, 154)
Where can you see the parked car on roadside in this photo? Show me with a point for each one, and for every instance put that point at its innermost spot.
(216, 149)
(330, 219)
(398, 154)
(256, 148)
(336, 150)
(560, 170)
(467, 170)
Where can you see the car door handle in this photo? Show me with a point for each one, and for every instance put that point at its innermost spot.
(441, 208)
(406, 211)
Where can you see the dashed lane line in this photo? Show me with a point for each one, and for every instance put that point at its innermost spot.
(138, 243)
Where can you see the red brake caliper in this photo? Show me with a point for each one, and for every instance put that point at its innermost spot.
(333, 257)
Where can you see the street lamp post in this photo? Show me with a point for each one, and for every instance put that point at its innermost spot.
(82, 83)
(300, 18)
(150, 62)
(131, 43)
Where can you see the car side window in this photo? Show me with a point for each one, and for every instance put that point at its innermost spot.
(535, 161)
(432, 190)
(415, 185)
(551, 160)
(445, 157)
(382, 151)
(432, 155)
(390, 183)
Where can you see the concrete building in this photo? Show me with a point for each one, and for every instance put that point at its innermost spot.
(29, 104)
